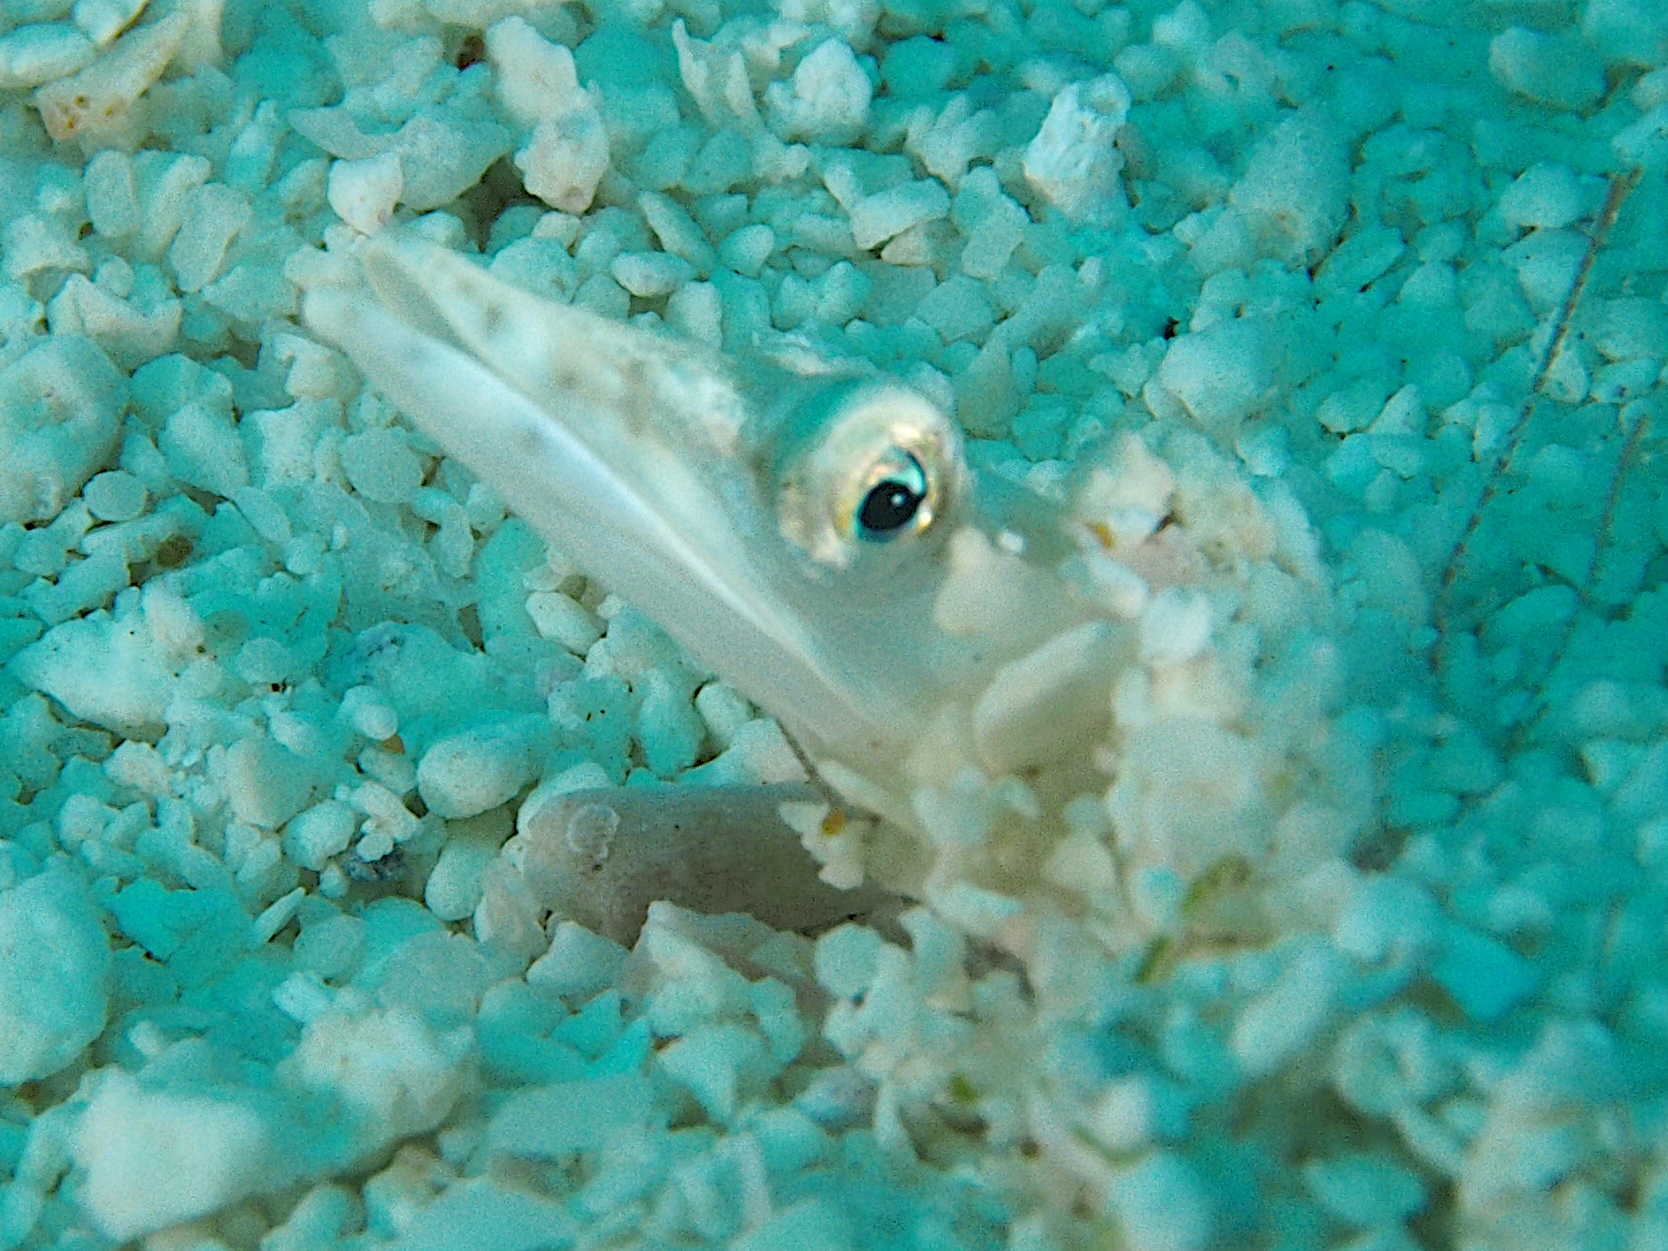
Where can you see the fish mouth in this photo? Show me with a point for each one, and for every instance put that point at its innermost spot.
(626, 451)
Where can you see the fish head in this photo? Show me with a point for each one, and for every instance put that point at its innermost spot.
(808, 528)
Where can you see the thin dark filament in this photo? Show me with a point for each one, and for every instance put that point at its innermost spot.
(1595, 566)
(1620, 186)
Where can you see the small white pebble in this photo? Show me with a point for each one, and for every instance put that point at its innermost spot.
(1364, 1190)
(1296, 185)
(1161, 1205)
(1175, 627)
(957, 308)
(112, 200)
(982, 913)
(263, 661)
(115, 496)
(397, 1074)
(1484, 977)
(153, 1158)
(102, 20)
(669, 730)
(203, 449)
(677, 231)
(827, 100)
(578, 964)
(723, 710)
(266, 784)
(454, 885)
(381, 466)
(138, 765)
(96, 100)
(464, 774)
(333, 883)
(992, 222)
(276, 915)
(746, 249)
(878, 217)
(1222, 374)
(1281, 1021)
(363, 193)
(563, 619)
(650, 274)
(210, 218)
(566, 159)
(1135, 1112)
(80, 586)
(846, 960)
(53, 996)
(40, 52)
(330, 948)
(104, 672)
(1560, 69)
(265, 514)
(318, 1220)
(1545, 197)
(709, 1062)
(373, 845)
(1073, 160)
(367, 710)
(312, 837)
(60, 405)
(696, 309)
(1387, 917)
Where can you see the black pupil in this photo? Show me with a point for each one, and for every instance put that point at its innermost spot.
(887, 507)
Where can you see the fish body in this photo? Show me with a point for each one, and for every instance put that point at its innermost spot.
(970, 662)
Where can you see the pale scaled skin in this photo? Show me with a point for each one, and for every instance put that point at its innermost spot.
(1014, 693)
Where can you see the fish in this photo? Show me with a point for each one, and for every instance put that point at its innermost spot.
(983, 674)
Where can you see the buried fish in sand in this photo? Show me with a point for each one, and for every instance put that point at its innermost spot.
(1030, 702)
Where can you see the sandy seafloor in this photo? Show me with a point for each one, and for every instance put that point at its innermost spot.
(279, 672)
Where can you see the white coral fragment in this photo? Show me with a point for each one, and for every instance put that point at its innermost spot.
(153, 1158)
(1072, 161)
(828, 98)
(40, 52)
(568, 152)
(95, 102)
(60, 405)
(54, 959)
(364, 193)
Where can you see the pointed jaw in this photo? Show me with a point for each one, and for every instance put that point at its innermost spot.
(623, 450)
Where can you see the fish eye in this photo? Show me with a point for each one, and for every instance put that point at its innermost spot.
(896, 501)
(879, 469)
